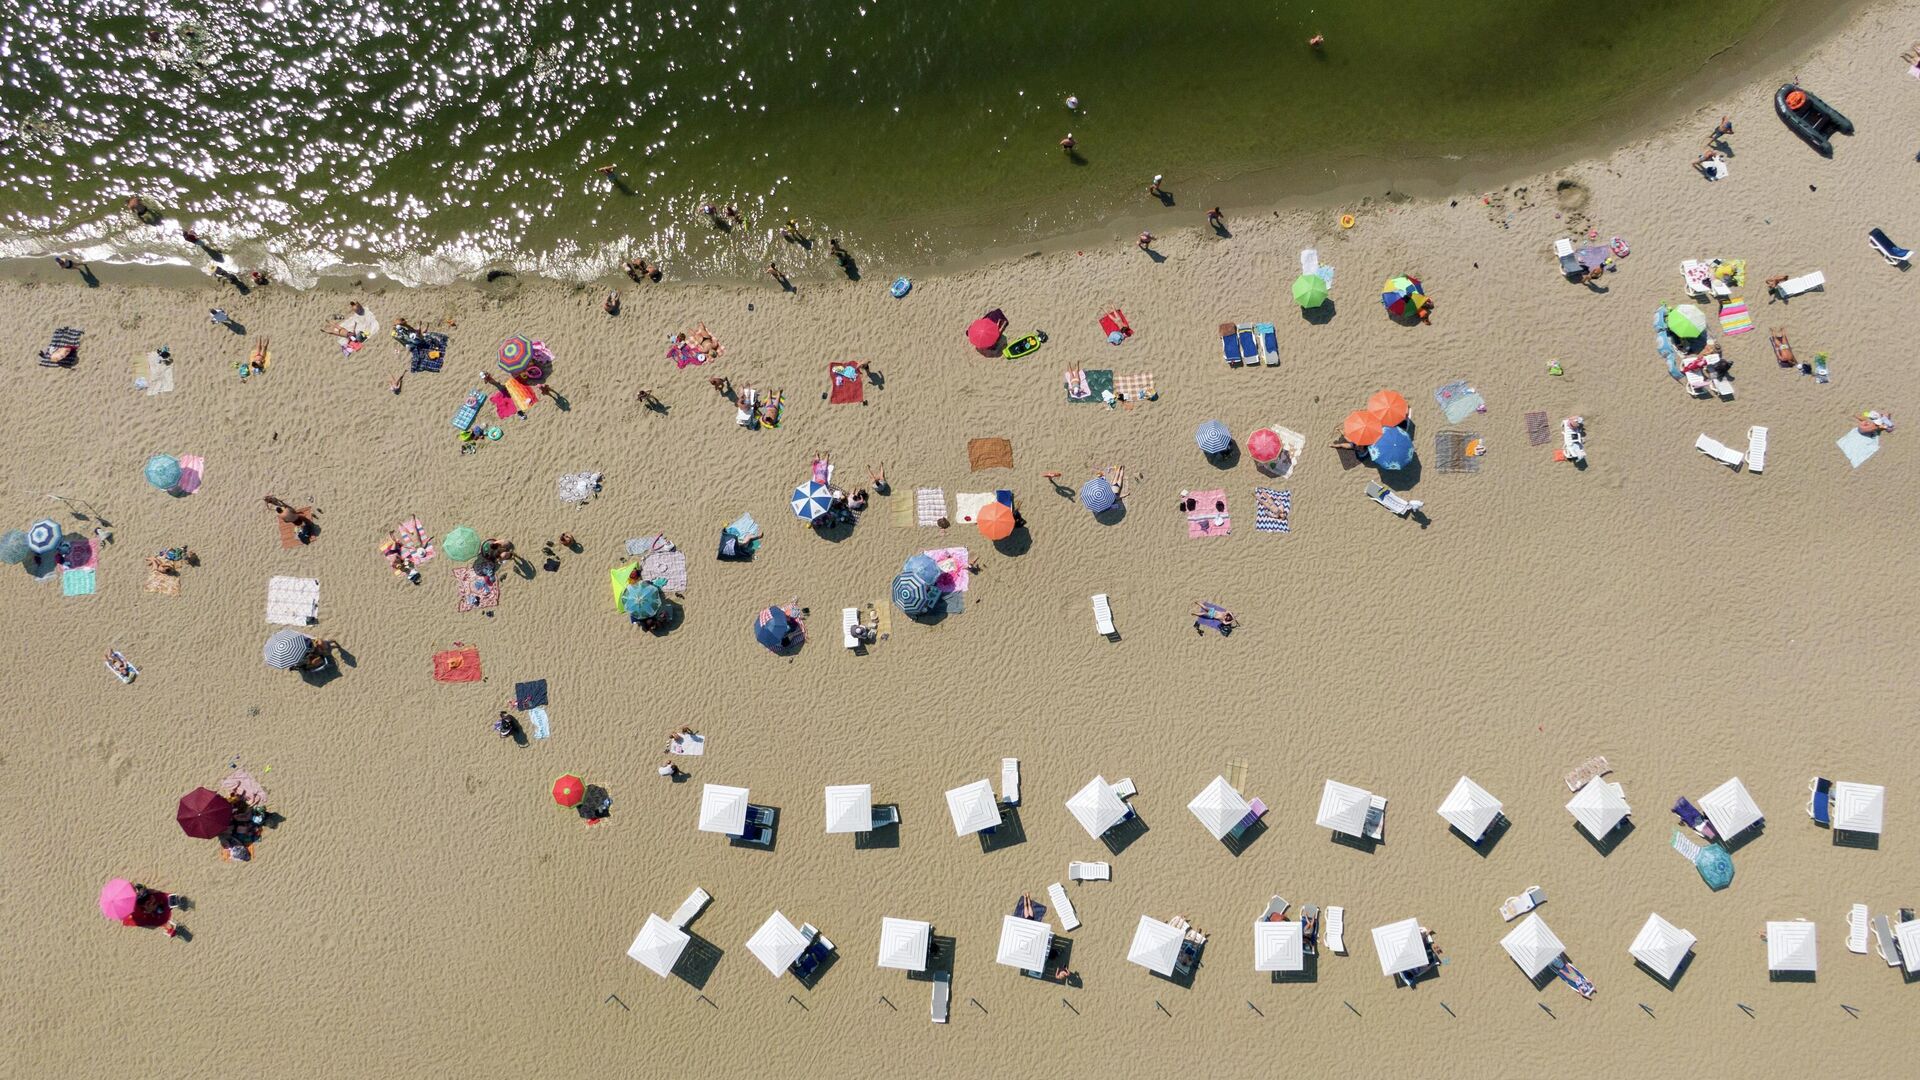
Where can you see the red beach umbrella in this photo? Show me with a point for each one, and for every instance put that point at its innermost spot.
(204, 813)
(1388, 407)
(568, 790)
(1264, 445)
(995, 521)
(1362, 429)
(984, 334)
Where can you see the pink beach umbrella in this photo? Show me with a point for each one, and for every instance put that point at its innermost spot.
(116, 899)
(1264, 446)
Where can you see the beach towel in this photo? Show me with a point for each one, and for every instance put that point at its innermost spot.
(1688, 850)
(457, 665)
(415, 544)
(687, 745)
(64, 338)
(193, 470)
(1457, 451)
(164, 584)
(989, 454)
(1204, 519)
(1458, 401)
(967, 505)
(1134, 388)
(503, 405)
(1734, 318)
(576, 488)
(930, 505)
(953, 568)
(476, 591)
(426, 352)
(848, 388)
(1858, 446)
(1090, 385)
(1537, 431)
(158, 377)
(531, 694)
(668, 564)
(469, 410)
(537, 720)
(293, 601)
(683, 354)
(77, 582)
(290, 533)
(1272, 510)
(1075, 380)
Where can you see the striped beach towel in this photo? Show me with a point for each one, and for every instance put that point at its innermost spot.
(930, 505)
(1687, 848)
(1734, 318)
(64, 338)
(1272, 510)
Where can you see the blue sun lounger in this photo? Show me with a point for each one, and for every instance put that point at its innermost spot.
(1230, 344)
(1890, 251)
(1269, 343)
(1249, 344)
(1820, 805)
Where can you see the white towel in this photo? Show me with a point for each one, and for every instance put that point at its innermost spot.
(930, 505)
(159, 375)
(968, 504)
(293, 601)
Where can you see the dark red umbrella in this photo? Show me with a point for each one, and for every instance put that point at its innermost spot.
(204, 813)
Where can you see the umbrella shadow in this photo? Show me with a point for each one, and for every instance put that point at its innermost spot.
(1225, 459)
(1746, 836)
(883, 838)
(1792, 976)
(1016, 544)
(1403, 478)
(1865, 841)
(1009, 833)
(1489, 839)
(697, 961)
(1665, 983)
(940, 956)
(324, 676)
(1236, 845)
(1113, 515)
(1365, 844)
(1606, 844)
(1308, 974)
(812, 978)
(1319, 316)
(1122, 836)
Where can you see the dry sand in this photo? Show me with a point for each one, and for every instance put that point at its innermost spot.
(426, 910)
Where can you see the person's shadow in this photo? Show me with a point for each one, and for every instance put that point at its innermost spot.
(236, 327)
(1165, 197)
(1154, 255)
(1220, 230)
(1074, 156)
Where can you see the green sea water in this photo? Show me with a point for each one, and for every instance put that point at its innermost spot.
(438, 138)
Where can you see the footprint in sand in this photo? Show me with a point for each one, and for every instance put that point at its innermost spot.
(118, 765)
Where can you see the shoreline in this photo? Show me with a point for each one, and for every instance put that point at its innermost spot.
(1332, 185)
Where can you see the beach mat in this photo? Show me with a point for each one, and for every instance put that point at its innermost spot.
(82, 553)
(164, 584)
(848, 386)
(1858, 446)
(989, 454)
(154, 375)
(531, 694)
(415, 544)
(538, 720)
(290, 533)
(968, 504)
(1538, 432)
(1133, 389)
(457, 665)
(1089, 386)
(1734, 318)
(671, 565)
(1203, 519)
(1458, 401)
(1272, 510)
(476, 593)
(193, 470)
(953, 568)
(1451, 451)
(78, 582)
(293, 601)
(687, 745)
(930, 505)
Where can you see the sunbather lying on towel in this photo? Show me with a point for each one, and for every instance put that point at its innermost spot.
(1782, 351)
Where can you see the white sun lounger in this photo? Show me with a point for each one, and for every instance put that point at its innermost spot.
(1089, 871)
(1063, 907)
(1756, 449)
(849, 618)
(1804, 283)
(1124, 787)
(1381, 494)
(1719, 451)
(685, 912)
(1010, 781)
(1309, 260)
(1103, 615)
(1335, 930)
(1695, 383)
(942, 997)
(1376, 817)
(1857, 929)
(1702, 281)
(1573, 442)
(1723, 387)
(1517, 906)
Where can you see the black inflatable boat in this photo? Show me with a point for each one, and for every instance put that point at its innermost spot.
(1810, 118)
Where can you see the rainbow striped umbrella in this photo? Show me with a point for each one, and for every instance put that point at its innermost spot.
(516, 355)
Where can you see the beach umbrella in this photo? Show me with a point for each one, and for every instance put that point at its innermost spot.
(43, 536)
(923, 567)
(1309, 290)
(1097, 807)
(117, 900)
(1097, 495)
(811, 500)
(1361, 428)
(1792, 946)
(286, 648)
(568, 790)
(1686, 321)
(1401, 293)
(1598, 807)
(778, 943)
(1392, 450)
(460, 544)
(984, 333)
(973, 808)
(723, 809)
(1907, 937)
(1469, 808)
(1661, 946)
(658, 945)
(777, 630)
(1715, 866)
(1219, 807)
(1731, 809)
(1024, 943)
(1213, 437)
(516, 355)
(995, 521)
(913, 596)
(1343, 808)
(1156, 945)
(1400, 946)
(1532, 945)
(1388, 407)
(1277, 946)
(904, 943)
(1860, 808)
(163, 472)
(1264, 446)
(13, 547)
(204, 813)
(849, 808)
(643, 600)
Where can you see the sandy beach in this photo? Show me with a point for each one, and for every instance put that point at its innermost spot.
(426, 909)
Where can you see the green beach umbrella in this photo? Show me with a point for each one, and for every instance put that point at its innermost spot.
(461, 544)
(1686, 321)
(1309, 290)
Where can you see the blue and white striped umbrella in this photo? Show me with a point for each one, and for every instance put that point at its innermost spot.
(1097, 494)
(285, 649)
(43, 536)
(913, 596)
(1213, 437)
(810, 500)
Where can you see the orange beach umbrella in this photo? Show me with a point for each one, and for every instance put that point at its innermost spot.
(1388, 407)
(995, 521)
(1362, 428)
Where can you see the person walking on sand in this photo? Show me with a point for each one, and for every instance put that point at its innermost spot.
(1067, 143)
(219, 317)
(1153, 189)
(645, 397)
(1146, 241)
(720, 385)
(1216, 220)
(1720, 131)
(773, 271)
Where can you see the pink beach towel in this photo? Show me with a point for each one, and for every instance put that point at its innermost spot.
(476, 592)
(953, 568)
(193, 469)
(1209, 515)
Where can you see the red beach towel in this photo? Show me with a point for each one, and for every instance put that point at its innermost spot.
(848, 387)
(457, 665)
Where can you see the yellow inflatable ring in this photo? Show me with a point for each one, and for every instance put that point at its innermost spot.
(1346, 221)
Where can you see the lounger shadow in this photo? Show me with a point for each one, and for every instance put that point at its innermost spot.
(940, 957)
(1792, 976)
(883, 838)
(1358, 843)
